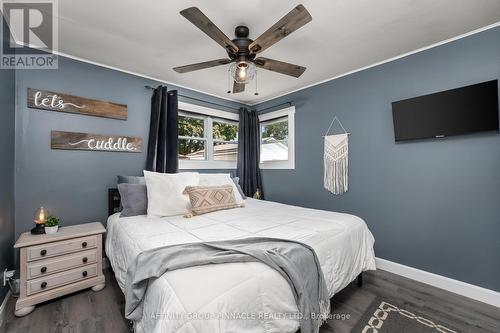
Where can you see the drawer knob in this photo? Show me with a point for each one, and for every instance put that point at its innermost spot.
(84, 244)
(84, 259)
(43, 252)
(43, 269)
(43, 285)
(84, 273)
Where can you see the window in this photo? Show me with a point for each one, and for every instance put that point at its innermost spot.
(277, 139)
(192, 142)
(225, 140)
(274, 140)
(208, 138)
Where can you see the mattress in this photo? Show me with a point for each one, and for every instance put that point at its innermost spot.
(236, 297)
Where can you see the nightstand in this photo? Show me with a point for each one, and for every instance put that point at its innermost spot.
(59, 264)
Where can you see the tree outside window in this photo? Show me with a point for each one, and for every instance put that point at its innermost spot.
(199, 134)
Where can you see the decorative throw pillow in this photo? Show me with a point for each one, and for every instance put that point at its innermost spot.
(206, 199)
(165, 192)
(219, 179)
(131, 180)
(236, 181)
(134, 199)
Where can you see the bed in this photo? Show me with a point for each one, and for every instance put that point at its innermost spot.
(236, 297)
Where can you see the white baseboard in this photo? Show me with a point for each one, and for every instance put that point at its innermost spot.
(3, 307)
(458, 287)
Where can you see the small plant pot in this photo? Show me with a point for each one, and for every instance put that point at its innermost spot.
(51, 230)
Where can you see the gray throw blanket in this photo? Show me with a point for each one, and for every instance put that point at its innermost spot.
(295, 261)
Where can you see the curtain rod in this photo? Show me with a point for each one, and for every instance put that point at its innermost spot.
(221, 105)
(199, 100)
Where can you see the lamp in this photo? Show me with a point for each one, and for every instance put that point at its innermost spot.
(39, 220)
(242, 71)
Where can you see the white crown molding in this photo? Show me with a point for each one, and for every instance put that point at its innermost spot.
(458, 287)
(467, 34)
(3, 307)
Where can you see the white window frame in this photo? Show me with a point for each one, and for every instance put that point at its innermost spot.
(204, 111)
(290, 114)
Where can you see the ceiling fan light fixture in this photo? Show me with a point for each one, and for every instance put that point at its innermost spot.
(242, 71)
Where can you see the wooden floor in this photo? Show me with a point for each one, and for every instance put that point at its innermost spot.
(82, 312)
(87, 311)
(466, 315)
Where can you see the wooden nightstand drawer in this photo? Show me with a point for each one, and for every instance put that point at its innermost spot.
(61, 279)
(46, 267)
(59, 248)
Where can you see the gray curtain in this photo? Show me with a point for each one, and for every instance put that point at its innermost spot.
(163, 141)
(249, 152)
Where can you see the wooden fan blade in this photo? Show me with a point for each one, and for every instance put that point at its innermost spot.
(295, 19)
(280, 66)
(201, 65)
(195, 16)
(238, 87)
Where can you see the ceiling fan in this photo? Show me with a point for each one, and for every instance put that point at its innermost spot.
(242, 51)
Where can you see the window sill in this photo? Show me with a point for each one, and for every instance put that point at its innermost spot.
(224, 165)
(204, 165)
(284, 165)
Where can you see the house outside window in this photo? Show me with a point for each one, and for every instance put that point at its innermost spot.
(277, 139)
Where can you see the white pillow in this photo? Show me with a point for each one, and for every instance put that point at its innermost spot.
(218, 179)
(165, 196)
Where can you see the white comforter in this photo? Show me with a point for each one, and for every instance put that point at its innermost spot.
(236, 297)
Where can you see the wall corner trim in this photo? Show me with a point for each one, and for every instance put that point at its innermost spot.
(3, 307)
(477, 293)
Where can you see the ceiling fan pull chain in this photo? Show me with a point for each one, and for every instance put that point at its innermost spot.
(228, 81)
(256, 87)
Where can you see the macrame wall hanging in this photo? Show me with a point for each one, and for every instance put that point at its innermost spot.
(336, 160)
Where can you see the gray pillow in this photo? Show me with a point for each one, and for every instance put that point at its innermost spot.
(236, 181)
(131, 180)
(134, 199)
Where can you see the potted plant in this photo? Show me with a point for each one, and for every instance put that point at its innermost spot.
(51, 224)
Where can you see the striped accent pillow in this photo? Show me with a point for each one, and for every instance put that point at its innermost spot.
(206, 199)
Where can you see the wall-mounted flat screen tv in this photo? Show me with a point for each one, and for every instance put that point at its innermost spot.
(458, 111)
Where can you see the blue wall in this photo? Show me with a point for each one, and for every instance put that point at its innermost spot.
(7, 109)
(73, 184)
(433, 204)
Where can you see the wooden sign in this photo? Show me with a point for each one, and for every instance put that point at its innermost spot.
(86, 141)
(52, 101)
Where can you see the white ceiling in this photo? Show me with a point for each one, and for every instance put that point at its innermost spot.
(150, 37)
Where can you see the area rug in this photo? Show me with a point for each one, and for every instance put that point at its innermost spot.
(383, 316)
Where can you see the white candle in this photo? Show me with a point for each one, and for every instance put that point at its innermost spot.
(41, 217)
